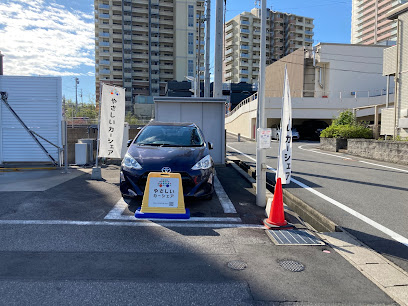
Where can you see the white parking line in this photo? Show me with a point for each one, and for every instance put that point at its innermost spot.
(116, 213)
(363, 218)
(141, 223)
(223, 197)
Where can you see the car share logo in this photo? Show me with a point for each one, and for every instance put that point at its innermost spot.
(115, 92)
(164, 183)
(166, 169)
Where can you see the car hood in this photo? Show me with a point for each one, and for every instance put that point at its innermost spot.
(177, 158)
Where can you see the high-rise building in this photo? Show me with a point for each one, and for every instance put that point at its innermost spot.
(369, 24)
(142, 44)
(285, 33)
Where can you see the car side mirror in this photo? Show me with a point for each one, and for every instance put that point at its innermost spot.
(129, 142)
(210, 145)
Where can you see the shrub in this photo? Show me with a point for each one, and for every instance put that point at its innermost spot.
(347, 131)
(345, 118)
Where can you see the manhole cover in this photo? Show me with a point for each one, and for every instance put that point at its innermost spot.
(237, 265)
(291, 265)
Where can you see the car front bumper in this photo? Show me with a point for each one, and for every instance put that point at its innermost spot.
(196, 183)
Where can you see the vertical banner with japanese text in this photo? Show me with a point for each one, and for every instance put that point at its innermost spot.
(284, 169)
(112, 121)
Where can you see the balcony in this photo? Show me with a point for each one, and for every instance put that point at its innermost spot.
(103, 6)
(246, 22)
(102, 34)
(243, 71)
(104, 16)
(104, 71)
(244, 47)
(104, 62)
(229, 36)
(244, 31)
(229, 28)
(229, 59)
(309, 32)
(104, 44)
(245, 55)
(229, 51)
(309, 40)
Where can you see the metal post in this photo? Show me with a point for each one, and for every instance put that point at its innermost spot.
(260, 153)
(96, 171)
(76, 96)
(387, 98)
(198, 87)
(217, 91)
(396, 80)
(207, 50)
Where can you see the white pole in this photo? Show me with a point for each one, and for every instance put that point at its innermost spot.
(207, 51)
(217, 91)
(260, 153)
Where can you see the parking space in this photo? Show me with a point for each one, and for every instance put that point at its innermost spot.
(51, 195)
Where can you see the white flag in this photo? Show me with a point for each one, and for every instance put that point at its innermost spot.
(284, 169)
(112, 121)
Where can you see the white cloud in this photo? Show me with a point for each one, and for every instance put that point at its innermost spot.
(39, 38)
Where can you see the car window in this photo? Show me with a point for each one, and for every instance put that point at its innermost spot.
(184, 136)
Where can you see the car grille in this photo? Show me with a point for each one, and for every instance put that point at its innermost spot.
(186, 181)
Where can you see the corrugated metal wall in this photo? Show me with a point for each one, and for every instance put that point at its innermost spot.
(38, 102)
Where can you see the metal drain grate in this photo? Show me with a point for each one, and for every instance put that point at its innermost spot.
(237, 265)
(291, 265)
(293, 237)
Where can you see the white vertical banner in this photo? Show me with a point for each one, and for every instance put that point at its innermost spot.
(284, 168)
(112, 121)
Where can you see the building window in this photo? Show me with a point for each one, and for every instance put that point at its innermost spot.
(190, 67)
(190, 43)
(191, 16)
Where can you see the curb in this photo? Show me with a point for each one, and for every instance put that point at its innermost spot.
(386, 275)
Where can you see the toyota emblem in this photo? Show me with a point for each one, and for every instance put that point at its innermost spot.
(166, 169)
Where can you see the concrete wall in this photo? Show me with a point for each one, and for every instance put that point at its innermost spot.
(351, 68)
(389, 151)
(275, 73)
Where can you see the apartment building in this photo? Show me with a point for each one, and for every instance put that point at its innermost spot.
(142, 44)
(369, 22)
(285, 33)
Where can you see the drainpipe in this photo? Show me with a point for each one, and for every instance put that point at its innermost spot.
(396, 104)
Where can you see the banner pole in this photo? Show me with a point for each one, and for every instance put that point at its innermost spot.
(96, 171)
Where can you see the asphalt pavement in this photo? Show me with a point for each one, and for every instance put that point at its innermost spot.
(78, 243)
(367, 198)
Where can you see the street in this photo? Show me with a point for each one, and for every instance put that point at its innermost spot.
(76, 242)
(365, 197)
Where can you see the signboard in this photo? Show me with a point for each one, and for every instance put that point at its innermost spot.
(112, 121)
(163, 192)
(264, 138)
(163, 197)
(284, 169)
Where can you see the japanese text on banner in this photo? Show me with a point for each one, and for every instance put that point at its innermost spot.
(112, 121)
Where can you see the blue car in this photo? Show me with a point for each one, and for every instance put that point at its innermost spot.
(169, 147)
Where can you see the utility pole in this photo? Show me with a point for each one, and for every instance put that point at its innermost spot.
(82, 100)
(76, 95)
(217, 91)
(207, 50)
(260, 153)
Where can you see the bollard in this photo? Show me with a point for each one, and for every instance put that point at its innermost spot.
(239, 137)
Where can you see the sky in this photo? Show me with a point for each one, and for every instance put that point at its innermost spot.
(56, 37)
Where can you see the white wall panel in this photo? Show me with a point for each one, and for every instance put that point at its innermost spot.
(38, 102)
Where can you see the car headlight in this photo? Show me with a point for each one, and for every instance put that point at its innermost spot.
(204, 163)
(129, 162)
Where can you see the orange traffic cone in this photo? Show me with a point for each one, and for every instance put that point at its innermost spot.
(276, 218)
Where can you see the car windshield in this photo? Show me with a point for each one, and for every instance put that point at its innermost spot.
(168, 135)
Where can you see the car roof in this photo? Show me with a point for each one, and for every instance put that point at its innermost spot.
(159, 123)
